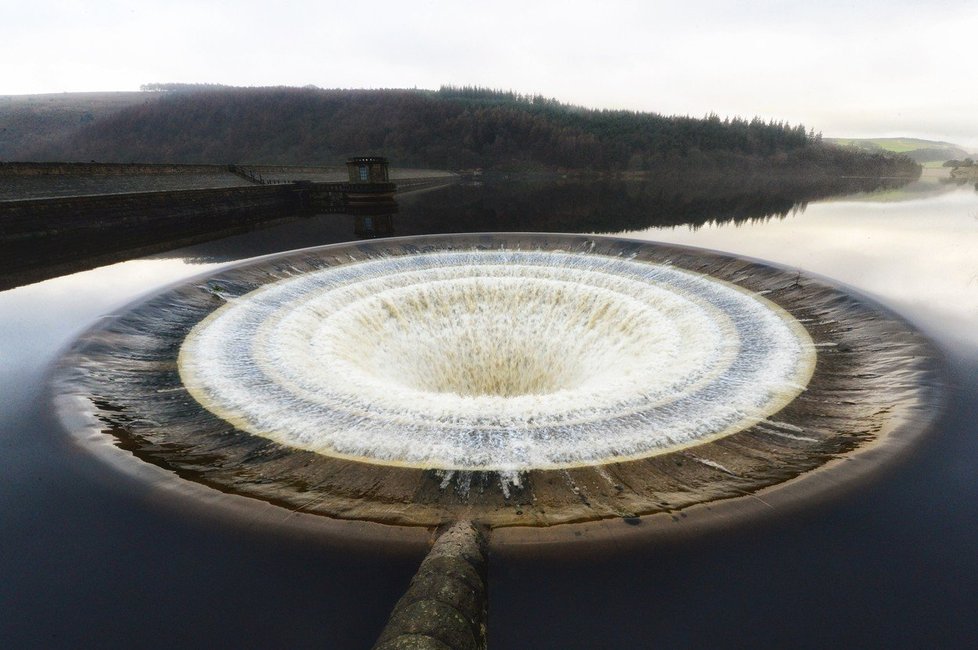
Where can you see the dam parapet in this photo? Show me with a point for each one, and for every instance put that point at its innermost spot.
(63, 229)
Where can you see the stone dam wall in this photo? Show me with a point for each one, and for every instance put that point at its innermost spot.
(49, 232)
(102, 169)
(39, 237)
(134, 215)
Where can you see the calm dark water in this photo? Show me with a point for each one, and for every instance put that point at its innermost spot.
(94, 556)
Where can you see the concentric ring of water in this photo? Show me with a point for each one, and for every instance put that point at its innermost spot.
(515, 379)
(496, 360)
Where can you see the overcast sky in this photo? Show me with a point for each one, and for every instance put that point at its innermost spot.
(846, 68)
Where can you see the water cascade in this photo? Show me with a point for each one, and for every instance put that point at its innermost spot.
(501, 361)
(511, 380)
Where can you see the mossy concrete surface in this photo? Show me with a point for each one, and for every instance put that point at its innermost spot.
(445, 607)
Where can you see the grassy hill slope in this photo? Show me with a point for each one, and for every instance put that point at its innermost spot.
(921, 151)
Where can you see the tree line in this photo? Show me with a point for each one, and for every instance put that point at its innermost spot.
(451, 128)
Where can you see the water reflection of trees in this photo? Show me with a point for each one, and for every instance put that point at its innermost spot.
(502, 203)
(609, 206)
(498, 203)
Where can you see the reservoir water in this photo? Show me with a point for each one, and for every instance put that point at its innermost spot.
(97, 554)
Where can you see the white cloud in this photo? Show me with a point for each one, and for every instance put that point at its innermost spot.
(842, 67)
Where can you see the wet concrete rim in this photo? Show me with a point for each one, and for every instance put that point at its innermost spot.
(831, 478)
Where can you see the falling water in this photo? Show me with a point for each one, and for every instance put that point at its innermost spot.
(501, 361)
(508, 379)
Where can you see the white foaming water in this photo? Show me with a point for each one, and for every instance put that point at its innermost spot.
(496, 360)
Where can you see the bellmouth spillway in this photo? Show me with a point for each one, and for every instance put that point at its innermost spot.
(496, 360)
(520, 379)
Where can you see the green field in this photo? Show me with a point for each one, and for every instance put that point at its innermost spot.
(898, 145)
(922, 151)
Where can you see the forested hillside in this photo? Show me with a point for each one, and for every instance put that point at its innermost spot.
(453, 128)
